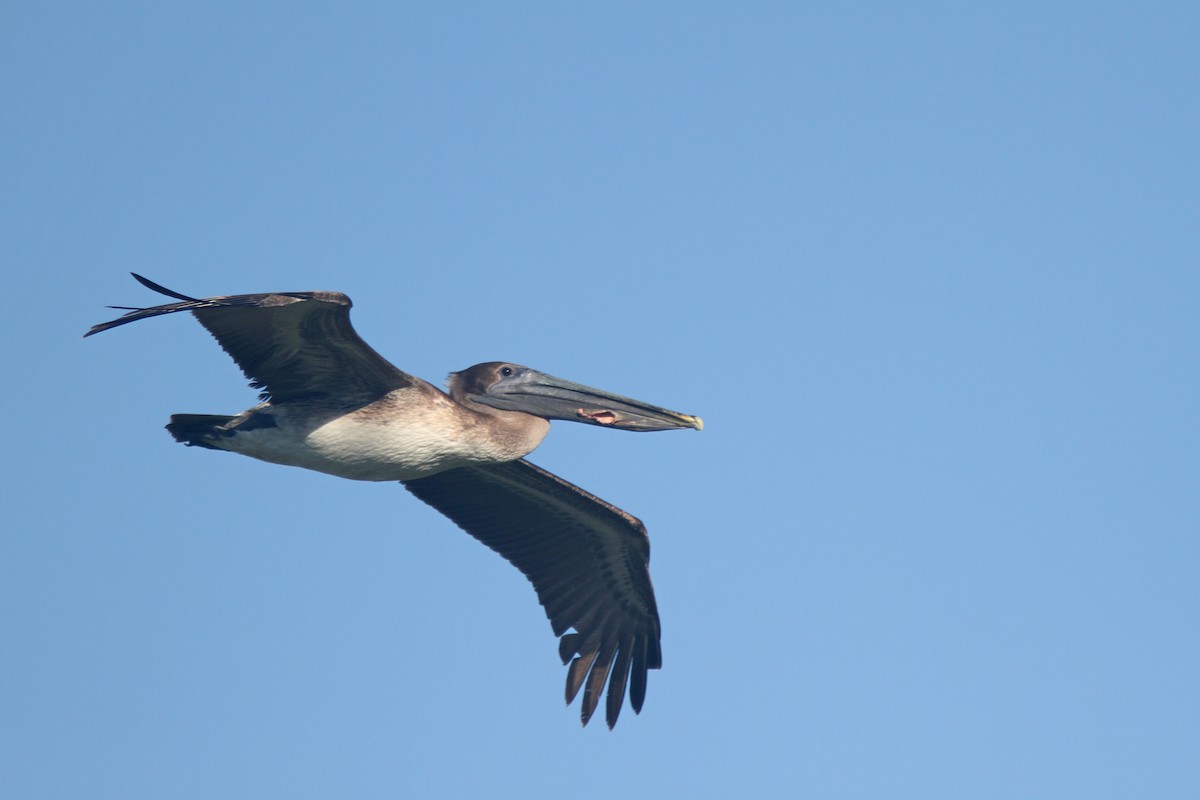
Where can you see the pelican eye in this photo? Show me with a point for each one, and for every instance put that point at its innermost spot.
(507, 371)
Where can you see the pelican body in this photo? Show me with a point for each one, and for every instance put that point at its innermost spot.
(330, 403)
(407, 433)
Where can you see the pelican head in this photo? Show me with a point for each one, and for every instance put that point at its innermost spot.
(511, 387)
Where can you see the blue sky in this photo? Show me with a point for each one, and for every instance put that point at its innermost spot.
(929, 272)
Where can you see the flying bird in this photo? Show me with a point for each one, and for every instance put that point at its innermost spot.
(330, 403)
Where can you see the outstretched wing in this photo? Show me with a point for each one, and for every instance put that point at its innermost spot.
(587, 560)
(292, 345)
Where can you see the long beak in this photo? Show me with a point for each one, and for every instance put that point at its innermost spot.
(545, 396)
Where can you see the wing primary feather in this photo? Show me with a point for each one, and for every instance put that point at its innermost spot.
(149, 284)
(567, 648)
(595, 683)
(616, 685)
(637, 679)
(577, 672)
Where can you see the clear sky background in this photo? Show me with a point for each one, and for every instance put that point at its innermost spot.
(929, 272)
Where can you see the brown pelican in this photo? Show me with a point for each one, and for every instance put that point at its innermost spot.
(331, 403)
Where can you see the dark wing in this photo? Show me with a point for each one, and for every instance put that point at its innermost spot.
(292, 345)
(587, 560)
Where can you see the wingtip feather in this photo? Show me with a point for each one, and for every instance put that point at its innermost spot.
(567, 648)
(595, 684)
(616, 687)
(576, 673)
(149, 284)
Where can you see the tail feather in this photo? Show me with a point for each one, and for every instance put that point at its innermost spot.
(199, 430)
